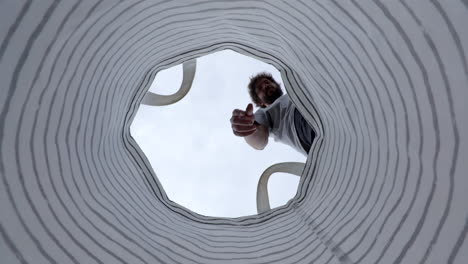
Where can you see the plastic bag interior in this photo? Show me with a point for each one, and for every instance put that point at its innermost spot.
(383, 83)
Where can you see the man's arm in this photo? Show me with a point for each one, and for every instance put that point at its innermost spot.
(259, 139)
(243, 125)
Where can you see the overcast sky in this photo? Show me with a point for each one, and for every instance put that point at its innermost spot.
(192, 149)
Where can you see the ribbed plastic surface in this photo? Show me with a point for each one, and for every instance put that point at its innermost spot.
(385, 84)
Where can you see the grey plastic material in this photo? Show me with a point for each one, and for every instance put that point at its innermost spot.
(383, 83)
(263, 202)
(189, 69)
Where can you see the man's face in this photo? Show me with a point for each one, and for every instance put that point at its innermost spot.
(267, 91)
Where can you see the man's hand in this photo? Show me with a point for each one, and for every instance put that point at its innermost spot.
(243, 122)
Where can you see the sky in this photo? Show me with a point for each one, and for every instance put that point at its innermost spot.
(201, 164)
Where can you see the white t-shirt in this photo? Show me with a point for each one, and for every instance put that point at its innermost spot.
(279, 118)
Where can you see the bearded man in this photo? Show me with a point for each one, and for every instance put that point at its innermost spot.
(277, 116)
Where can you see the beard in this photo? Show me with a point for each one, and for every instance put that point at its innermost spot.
(272, 94)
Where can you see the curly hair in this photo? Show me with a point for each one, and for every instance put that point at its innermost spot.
(253, 83)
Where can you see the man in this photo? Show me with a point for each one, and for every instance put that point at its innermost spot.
(277, 116)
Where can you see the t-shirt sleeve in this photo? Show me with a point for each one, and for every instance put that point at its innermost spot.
(261, 117)
(271, 116)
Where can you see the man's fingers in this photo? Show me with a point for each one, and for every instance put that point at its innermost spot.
(244, 133)
(241, 128)
(249, 110)
(242, 122)
(246, 121)
(238, 112)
